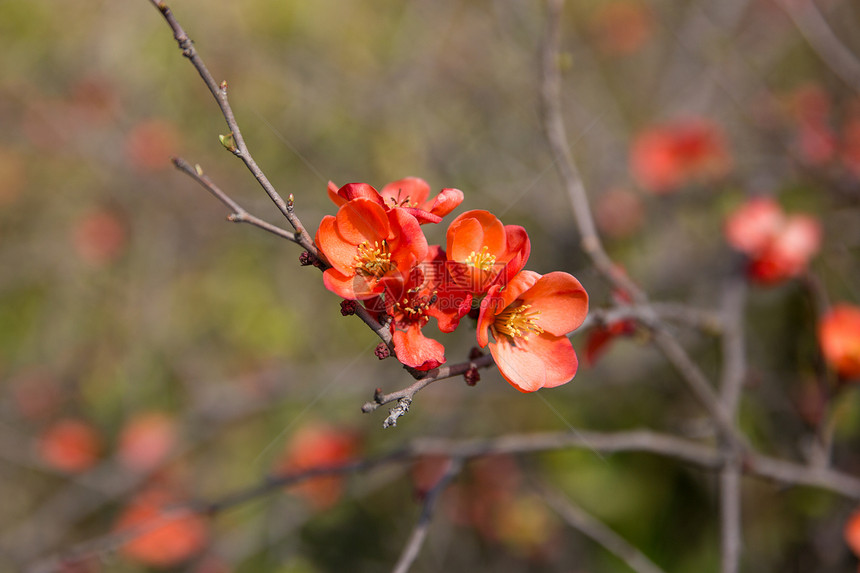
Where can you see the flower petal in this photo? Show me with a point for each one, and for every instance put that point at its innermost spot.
(340, 253)
(408, 243)
(561, 301)
(352, 191)
(539, 361)
(362, 220)
(471, 232)
(332, 194)
(412, 190)
(445, 202)
(416, 350)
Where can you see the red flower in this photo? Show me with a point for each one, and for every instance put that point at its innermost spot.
(666, 157)
(600, 337)
(483, 252)
(161, 536)
(410, 194)
(319, 446)
(146, 441)
(852, 532)
(70, 445)
(412, 310)
(621, 27)
(370, 249)
(839, 336)
(530, 319)
(779, 246)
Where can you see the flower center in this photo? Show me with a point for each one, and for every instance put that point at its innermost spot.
(415, 304)
(516, 322)
(404, 202)
(483, 261)
(373, 261)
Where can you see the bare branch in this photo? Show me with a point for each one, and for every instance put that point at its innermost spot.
(419, 532)
(733, 375)
(704, 456)
(591, 244)
(238, 147)
(581, 520)
(817, 32)
(239, 215)
(440, 373)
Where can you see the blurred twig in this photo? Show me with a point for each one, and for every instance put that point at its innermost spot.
(646, 441)
(733, 375)
(588, 525)
(419, 532)
(821, 38)
(591, 244)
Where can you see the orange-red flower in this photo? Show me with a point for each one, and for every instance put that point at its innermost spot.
(779, 246)
(852, 532)
(161, 535)
(530, 319)
(621, 27)
(411, 194)
(665, 157)
(370, 249)
(482, 251)
(146, 441)
(839, 336)
(70, 445)
(319, 446)
(413, 309)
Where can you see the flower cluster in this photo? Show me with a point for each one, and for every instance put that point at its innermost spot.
(779, 246)
(666, 157)
(379, 255)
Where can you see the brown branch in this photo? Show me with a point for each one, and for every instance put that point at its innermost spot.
(821, 38)
(591, 244)
(238, 146)
(419, 532)
(704, 320)
(550, 91)
(592, 527)
(646, 441)
(404, 396)
(734, 368)
(238, 215)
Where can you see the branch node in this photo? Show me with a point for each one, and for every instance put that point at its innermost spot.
(395, 413)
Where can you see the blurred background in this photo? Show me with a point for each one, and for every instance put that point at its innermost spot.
(152, 353)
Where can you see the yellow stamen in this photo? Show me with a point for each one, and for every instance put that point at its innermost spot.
(515, 322)
(373, 261)
(417, 305)
(483, 260)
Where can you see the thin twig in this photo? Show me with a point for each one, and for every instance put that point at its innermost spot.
(588, 525)
(821, 38)
(238, 215)
(419, 532)
(560, 148)
(439, 373)
(733, 375)
(708, 457)
(238, 147)
(591, 244)
(704, 320)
